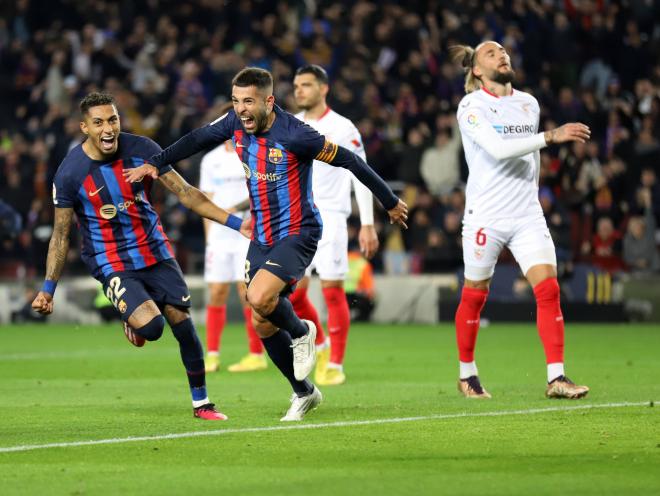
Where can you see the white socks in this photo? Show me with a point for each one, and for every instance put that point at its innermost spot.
(467, 369)
(555, 370)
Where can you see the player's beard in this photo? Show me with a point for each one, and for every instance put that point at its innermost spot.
(260, 122)
(504, 77)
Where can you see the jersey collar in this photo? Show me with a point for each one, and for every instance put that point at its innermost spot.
(493, 94)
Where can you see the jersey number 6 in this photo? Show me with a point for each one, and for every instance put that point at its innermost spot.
(481, 237)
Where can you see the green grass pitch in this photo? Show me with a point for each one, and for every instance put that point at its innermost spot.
(66, 384)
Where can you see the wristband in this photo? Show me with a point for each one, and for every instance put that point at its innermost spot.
(234, 222)
(49, 287)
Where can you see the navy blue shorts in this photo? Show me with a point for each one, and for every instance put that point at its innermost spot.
(287, 259)
(162, 282)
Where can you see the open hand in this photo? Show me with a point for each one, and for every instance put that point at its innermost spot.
(136, 174)
(399, 214)
(43, 303)
(573, 131)
(368, 240)
(246, 228)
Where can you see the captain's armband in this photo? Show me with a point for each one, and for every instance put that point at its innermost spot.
(328, 152)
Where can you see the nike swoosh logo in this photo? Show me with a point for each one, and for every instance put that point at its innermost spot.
(94, 193)
(185, 298)
(238, 145)
(268, 262)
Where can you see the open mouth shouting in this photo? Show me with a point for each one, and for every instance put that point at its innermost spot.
(248, 122)
(108, 143)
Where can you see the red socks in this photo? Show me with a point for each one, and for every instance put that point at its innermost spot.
(339, 321)
(305, 310)
(467, 321)
(254, 341)
(215, 324)
(550, 320)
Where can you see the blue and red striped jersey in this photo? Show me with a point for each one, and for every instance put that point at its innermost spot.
(120, 229)
(278, 171)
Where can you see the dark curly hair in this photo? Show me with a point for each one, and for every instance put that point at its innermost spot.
(94, 100)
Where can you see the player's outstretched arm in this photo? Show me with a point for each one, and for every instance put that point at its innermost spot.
(573, 131)
(57, 252)
(341, 157)
(192, 198)
(475, 125)
(193, 142)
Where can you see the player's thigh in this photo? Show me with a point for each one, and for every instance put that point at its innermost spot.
(531, 243)
(130, 297)
(219, 265)
(482, 245)
(331, 258)
(287, 260)
(166, 285)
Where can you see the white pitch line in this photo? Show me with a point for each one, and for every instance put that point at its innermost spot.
(292, 427)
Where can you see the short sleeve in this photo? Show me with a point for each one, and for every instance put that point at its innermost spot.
(65, 190)
(306, 142)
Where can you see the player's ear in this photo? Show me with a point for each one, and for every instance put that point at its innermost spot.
(270, 101)
(83, 127)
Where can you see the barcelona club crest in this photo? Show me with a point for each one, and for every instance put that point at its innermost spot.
(275, 155)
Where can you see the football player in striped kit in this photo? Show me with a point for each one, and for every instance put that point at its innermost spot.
(277, 151)
(123, 242)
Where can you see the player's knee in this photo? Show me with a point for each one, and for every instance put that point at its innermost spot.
(334, 295)
(153, 330)
(547, 290)
(261, 302)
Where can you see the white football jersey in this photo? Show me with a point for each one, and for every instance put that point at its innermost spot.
(501, 143)
(222, 174)
(332, 185)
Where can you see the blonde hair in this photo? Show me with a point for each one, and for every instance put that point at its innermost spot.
(466, 55)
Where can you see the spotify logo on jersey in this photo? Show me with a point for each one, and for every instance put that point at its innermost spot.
(108, 211)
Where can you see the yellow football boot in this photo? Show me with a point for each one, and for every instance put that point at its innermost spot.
(250, 363)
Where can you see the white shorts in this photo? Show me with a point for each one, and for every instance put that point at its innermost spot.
(225, 265)
(528, 238)
(331, 259)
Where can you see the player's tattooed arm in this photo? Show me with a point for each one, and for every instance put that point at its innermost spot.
(240, 207)
(192, 198)
(59, 243)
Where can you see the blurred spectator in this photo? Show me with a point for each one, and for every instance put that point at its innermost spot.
(440, 165)
(604, 251)
(639, 248)
(171, 63)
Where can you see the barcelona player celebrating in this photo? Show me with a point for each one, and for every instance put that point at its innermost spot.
(277, 151)
(123, 242)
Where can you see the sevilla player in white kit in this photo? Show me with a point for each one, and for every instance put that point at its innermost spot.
(499, 128)
(332, 196)
(222, 178)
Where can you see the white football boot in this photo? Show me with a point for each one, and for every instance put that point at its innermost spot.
(304, 352)
(301, 405)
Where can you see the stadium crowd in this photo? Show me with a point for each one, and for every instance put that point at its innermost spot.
(169, 64)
